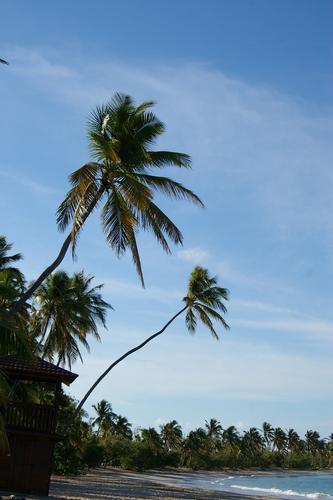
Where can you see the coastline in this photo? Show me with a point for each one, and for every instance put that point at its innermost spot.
(124, 485)
(118, 484)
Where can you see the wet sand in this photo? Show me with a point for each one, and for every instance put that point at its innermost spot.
(102, 484)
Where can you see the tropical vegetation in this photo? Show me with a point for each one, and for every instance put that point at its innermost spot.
(118, 178)
(109, 439)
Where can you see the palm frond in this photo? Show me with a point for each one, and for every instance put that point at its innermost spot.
(169, 187)
(206, 320)
(190, 320)
(162, 159)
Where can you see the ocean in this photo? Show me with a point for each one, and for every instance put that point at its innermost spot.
(317, 485)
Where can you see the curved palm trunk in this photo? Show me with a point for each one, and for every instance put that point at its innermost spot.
(31, 290)
(115, 363)
(57, 261)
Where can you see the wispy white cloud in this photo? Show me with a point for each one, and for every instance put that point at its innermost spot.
(262, 307)
(32, 185)
(195, 255)
(122, 288)
(315, 329)
(245, 137)
(229, 370)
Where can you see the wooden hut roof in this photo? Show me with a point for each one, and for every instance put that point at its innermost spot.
(35, 369)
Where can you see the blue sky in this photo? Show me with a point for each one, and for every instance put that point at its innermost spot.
(245, 88)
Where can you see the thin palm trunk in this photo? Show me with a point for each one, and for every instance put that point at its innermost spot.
(60, 257)
(115, 363)
(36, 284)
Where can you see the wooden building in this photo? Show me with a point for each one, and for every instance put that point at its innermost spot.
(31, 428)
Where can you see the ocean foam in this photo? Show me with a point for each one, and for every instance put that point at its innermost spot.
(282, 492)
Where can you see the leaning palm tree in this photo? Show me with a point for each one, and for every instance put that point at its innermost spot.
(66, 310)
(204, 302)
(121, 135)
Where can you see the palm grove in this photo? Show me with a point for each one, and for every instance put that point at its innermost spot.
(54, 316)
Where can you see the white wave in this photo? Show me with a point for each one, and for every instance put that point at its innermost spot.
(282, 492)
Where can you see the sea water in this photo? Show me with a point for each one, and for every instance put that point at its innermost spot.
(317, 485)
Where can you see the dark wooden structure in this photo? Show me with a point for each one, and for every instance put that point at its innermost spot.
(31, 428)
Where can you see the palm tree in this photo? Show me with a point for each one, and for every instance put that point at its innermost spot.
(203, 301)
(279, 440)
(214, 433)
(195, 442)
(122, 428)
(268, 433)
(231, 438)
(213, 428)
(172, 435)
(66, 310)
(151, 438)
(313, 442)
(252, 442)
(121, 135)
(293, 440)
(105, 417)
(13, 338)
(5, 259)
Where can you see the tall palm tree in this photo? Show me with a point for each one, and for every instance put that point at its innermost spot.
(121, 135)
(203, 302)
(268, 433)
(172, 435)
(67, 309)
(214, 433)
(105, 417)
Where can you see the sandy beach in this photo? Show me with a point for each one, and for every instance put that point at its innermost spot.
(106, 483)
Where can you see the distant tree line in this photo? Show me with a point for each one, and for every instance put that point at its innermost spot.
(108, 439)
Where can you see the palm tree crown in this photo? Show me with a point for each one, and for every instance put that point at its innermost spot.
(204, 300)
(171, 434)
(105, 417)
(66, 310)
(121, 135)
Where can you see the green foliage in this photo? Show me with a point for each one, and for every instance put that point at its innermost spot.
(69, 452)
(66, 310)
(204, 301)
(203, 448)
(121, 136)
(94, 453)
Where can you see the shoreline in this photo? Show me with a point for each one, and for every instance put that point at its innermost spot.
(119, 484)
